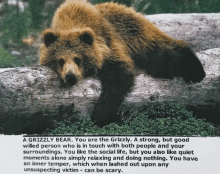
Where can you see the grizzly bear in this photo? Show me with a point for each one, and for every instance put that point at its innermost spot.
(110, 41)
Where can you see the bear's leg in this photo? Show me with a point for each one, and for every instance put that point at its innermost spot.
(117, 79)
(171, 59)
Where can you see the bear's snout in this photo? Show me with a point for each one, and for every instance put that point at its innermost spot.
(71, 78)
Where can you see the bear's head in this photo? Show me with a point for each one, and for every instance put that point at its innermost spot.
(73, 54)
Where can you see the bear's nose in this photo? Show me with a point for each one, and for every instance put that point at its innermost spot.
(71, 78)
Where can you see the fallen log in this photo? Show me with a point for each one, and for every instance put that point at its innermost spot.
(32, 92)
(200, 30)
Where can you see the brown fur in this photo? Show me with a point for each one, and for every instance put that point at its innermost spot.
(110, 41)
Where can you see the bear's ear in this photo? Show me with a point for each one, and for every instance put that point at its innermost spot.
(49, 37)
(87, 37)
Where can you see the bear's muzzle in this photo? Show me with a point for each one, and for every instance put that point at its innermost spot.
(71, 78)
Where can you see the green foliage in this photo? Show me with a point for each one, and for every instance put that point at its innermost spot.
(170, 6)
(152, 119)
(183, 6)
(36, 8)
(212, 6)
(15, 25)
(140, 5)
(126, 2)
(7, 60)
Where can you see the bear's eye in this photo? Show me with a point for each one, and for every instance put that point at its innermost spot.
(61, 62)
(77, 61)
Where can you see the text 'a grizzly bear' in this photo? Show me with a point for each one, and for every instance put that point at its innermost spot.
(109, 41)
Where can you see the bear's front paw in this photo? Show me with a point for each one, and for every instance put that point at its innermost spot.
(101, 117)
